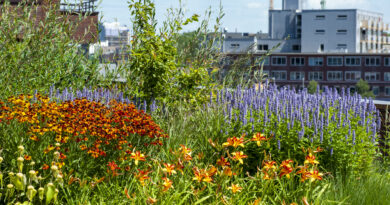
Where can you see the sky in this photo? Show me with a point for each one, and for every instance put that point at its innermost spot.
(240, 15)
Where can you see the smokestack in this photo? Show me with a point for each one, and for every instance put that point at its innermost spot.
(271, 4)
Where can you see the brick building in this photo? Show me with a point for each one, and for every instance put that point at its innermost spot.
(86, 31)
(335, 70)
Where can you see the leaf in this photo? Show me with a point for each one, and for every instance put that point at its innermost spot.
(202, 199)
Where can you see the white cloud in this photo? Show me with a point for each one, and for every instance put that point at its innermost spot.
(255, 5)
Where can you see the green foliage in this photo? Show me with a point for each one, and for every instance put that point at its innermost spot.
(363, 89)
(36, 55)
(313, 86)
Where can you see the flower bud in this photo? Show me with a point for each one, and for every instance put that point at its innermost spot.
(11, 174)
(54, 168)
(31, 192)
(10, 186)
(1, 159)
(40, 178)
(33, 174)
(56, 155)
(58, 144)
(10, 191)
(50, 193)
(20, 161)
(32, 163)
(20, 149)
(41, 192)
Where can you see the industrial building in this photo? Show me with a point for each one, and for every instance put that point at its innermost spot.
(335, 47)
(300, 30)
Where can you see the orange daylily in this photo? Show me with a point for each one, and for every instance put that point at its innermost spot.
(184, 150)
(269, 165)
(137, 156)
(311, 159)
(315, 175)
(259, 138)
(235, 188)
(27, 157)
(167, 184)
(286, 168)
(238, 156)
(234, 142)
(142, 176)
(169, 168)
(223, 162)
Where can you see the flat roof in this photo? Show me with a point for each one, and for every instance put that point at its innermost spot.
(317, 54)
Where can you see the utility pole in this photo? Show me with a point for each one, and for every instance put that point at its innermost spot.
(323, 4)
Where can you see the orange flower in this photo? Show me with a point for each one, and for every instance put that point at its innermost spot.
(48, 149)
(142, 176)
(167, 184)
(83, 147)
(238, 156)
(315, 175)
(45, 167)
(198, 175)
(184, 150)
(27, 157)
(227, 171)
(113, 166)
(286, 168)
(259, 138)
(137, 156)
(234, 142)
(235, 188)
(266, 176)
(270, 165)
(223, 162)
(151, 200)
(169, 168)
(311, 159)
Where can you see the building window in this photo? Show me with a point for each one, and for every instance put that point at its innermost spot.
(353, 75)
(335, 61)
(387, 61)
(387, 76)
(320, 31)
(316, 61)
(297, 61)
(342, 17)
(279, 75)
(234, 45)
(296, 47)
(373, 61)
(262, 47)
(297, 75)
(335, 75)
(279, 60)
(341, 46)
(352, 61)
(375, 90)
(372, 76)
(387, 91)
(352, 89)
(259, 60)
(316, 75)
(342, 31)
(320, 17)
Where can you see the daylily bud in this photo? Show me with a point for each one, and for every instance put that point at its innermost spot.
(41, 192)
(54, 168)
(60, 180)
(10, 186)
(32, 163)
(58, 144)
(11, 174)
(20, 149)
(20, 161)
(31, 192)
(1, 159)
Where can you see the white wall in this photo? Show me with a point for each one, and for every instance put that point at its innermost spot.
(311, 41)
(282, 23)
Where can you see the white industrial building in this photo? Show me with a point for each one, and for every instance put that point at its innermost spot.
(300, 30)
(113, 38)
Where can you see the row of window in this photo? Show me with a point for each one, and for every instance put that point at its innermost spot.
(339, 31)
(339, 17)
(331, 61)
(331, 75)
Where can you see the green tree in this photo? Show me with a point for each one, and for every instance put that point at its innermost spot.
(313, 86)
(363, 89)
